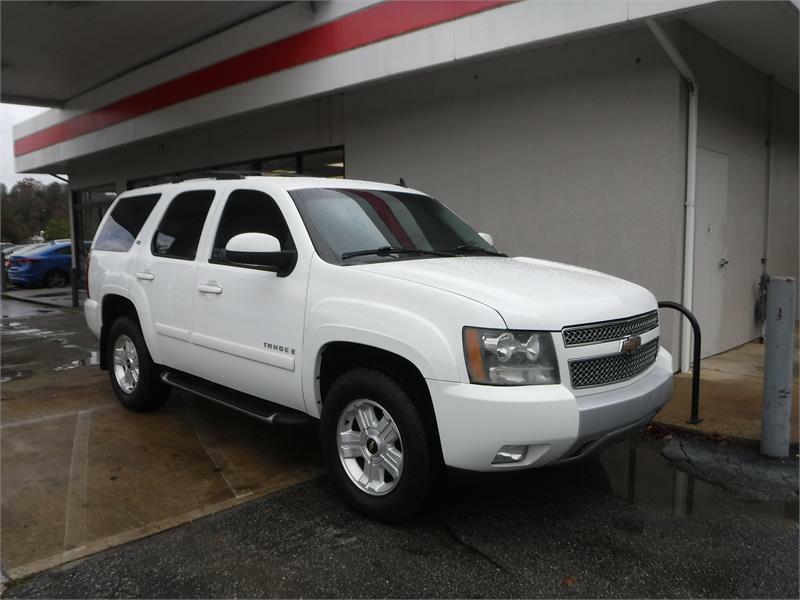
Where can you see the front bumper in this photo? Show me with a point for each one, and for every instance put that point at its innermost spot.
(476, 420)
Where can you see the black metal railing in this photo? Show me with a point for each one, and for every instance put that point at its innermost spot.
(695, 416)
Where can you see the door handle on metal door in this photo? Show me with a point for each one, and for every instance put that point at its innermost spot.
(145, 275)
(209, 288)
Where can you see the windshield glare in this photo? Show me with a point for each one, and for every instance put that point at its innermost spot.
(342, 221)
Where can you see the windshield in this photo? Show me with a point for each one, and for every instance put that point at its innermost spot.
(354, 226)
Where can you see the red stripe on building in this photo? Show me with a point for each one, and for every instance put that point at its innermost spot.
(368, 26)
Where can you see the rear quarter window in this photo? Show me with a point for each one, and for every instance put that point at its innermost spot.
(179, 232)
(125, 222)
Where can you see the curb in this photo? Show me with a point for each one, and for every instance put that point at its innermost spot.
(716, 436)
(40, 302)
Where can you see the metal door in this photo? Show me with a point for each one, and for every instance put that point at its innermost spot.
(710, 258)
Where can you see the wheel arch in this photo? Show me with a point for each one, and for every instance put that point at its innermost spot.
(338, 357)
(113, 306)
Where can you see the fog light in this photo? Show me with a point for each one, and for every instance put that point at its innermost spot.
(509, 454)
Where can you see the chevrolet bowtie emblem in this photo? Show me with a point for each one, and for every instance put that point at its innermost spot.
(631, 344)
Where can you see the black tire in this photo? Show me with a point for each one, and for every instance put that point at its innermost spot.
(421, 458)
(55, 278)
(149, 392)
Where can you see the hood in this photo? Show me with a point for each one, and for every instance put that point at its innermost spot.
(528, 293)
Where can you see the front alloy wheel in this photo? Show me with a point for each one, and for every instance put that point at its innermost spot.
(126, 364)
(370, 447)
(379, 443)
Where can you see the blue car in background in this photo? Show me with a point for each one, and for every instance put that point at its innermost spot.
(46, 265)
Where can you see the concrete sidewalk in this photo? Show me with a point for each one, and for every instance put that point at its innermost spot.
(731, 395)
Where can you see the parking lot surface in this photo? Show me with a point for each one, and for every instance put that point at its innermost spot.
(80, 473)
(589, 530)
(625, 524)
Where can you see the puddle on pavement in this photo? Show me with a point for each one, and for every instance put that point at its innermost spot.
(7, 375)
(639, 474)
(42, 340)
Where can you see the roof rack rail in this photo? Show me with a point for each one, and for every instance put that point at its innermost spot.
(218, 175)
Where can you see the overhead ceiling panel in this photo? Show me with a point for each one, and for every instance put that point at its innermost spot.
(54, 51)
(763, 34)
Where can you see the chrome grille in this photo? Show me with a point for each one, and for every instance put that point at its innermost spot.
(609, 330)
(613, 368)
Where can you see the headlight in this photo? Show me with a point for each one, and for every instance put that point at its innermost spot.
(503, 357)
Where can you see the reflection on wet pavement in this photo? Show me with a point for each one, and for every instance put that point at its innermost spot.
(633, 470)
(639, 474)
(37, 339)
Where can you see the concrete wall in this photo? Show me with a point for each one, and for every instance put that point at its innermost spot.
(571, 152)
(733, 120)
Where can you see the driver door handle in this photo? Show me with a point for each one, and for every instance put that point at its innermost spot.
(147, 276)
(209, 288)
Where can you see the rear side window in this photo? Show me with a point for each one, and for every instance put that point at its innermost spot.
(178, 234)
(125, 222)
(250, 211)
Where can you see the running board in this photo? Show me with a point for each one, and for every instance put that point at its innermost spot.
(264, 410)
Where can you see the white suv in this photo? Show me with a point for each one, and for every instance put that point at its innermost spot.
(376, 313)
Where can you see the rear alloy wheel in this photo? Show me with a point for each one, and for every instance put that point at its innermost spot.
(126, 364)
(380, 450)
(55, 279)
(135, 378)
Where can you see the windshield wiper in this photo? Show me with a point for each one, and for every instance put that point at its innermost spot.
(387, 250)
(471, 248)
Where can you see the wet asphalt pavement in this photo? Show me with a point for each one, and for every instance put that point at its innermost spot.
(625, 524)
(565, 532)
(29, 328)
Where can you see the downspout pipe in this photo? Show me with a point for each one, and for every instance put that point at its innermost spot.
(691, 184)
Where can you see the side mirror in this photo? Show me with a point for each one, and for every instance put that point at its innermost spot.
(487, 238)
(260, 251)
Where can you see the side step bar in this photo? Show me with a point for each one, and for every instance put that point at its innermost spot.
(266, 411)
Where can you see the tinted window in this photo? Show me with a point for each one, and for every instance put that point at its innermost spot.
(250, 211)
(178, 234)
(125, 222)
(341, 221)
(65, 250)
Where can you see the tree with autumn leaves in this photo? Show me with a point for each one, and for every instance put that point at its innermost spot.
(31, 207)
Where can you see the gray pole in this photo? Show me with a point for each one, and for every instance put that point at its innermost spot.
(778, 360)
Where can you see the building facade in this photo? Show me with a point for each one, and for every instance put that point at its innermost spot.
(561, 128)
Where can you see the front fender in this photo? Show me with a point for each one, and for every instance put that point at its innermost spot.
(420, 323)
(381, 326)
